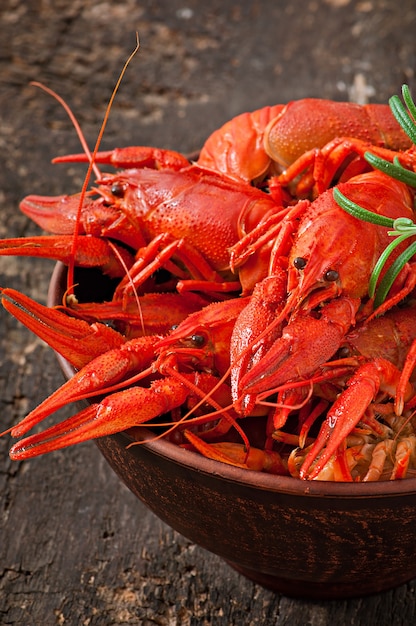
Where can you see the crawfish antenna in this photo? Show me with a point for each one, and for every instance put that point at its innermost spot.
(92, 165)
(92, 157)
(73, 119)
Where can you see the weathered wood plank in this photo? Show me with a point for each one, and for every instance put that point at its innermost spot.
(75, 546)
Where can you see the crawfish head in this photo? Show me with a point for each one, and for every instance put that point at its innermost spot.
(202, 340)
(306, 342)
(334, 252)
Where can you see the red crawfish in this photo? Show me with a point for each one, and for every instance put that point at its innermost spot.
(142, 219)
(255, 145)
(382, 355)
(329, 257)
(173, 371)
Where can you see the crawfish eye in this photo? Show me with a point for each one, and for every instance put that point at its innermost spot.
(299, 263)
(344, 352)
(331, 276)
(118, 189)
(198, 340)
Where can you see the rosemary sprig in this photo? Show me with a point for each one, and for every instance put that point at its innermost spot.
(402, 227)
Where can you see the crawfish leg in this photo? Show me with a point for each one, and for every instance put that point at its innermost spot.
(124, 409)
(97, 376)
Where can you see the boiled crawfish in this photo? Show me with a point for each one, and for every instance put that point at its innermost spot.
(330, 257)
(184, 365)
(375, 355)
(183, 220)
(255, 145)
(215, 233)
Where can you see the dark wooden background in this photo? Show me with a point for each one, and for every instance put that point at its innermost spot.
(75, 546)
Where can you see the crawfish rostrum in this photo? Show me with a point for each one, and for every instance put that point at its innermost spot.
(263, 316)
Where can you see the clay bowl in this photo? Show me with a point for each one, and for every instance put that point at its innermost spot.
(319, 540)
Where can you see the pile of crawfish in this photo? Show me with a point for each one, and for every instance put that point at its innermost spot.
(241, 323)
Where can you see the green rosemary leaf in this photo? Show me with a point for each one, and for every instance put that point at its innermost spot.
(407, 176)
(381, 262)
(408, 100)
(357, 211)
(403, 117)
(392, 273)
(394, 170)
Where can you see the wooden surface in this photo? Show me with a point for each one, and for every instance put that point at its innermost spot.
(75, 546)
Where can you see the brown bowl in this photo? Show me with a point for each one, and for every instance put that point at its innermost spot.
(316, 539)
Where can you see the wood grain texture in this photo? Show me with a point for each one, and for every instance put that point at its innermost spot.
(75, 546)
